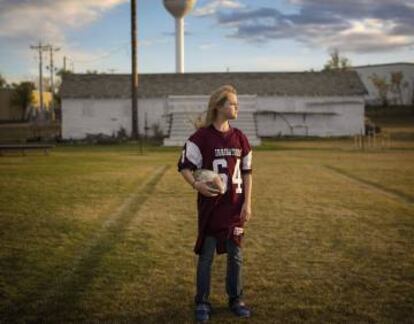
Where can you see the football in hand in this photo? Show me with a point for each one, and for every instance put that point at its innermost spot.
(211, 178)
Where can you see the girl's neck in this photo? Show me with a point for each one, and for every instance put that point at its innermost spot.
(221, 125)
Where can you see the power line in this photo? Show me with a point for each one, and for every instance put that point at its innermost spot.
(52, 72)
(101, 57)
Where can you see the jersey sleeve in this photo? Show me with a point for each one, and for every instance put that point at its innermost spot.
(191, 157)
(246, 165)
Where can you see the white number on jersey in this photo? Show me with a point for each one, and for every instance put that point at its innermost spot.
(236, 178)
(216, 167)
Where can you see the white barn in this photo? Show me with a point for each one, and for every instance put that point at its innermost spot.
(366, 72)
(271, 104)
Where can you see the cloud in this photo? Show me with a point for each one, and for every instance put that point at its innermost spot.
(24, 23)
(48, 19)
(214, 6)
(352, 26)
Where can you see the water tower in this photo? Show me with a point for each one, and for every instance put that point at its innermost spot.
(179, 8)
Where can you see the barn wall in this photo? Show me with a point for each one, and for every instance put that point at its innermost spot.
(155, 112)
(313, 116)
(93, 116)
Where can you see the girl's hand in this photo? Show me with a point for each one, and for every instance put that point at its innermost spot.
(205, 190)
(238, 231)
(246, 213)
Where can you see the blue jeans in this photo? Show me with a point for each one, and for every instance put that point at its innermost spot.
(234, 285)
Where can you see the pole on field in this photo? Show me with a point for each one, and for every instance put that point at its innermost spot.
(134, 75)
(362, 139)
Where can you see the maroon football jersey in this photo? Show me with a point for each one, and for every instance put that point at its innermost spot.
(229, 154)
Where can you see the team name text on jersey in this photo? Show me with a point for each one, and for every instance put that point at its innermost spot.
(228, 152)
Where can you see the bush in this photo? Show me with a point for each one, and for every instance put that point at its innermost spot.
(100, 138)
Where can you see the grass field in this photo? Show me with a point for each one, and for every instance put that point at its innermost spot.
(101, 233)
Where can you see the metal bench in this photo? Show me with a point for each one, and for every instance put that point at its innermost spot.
(25, 147)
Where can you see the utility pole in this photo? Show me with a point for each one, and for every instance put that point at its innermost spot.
(134, 75)
(51, 66)
(52, 72)
(64, 63)
(40, 48)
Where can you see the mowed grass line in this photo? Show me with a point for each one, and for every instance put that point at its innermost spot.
(63, 297)
(388, 169)
(373, 185)
(162, 290)
(50, 206)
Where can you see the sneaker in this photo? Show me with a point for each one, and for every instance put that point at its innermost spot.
(240, 309)
(202, 312)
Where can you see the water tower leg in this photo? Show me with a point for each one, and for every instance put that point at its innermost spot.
(179, 45)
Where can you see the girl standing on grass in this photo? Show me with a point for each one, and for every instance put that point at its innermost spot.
(221, 216)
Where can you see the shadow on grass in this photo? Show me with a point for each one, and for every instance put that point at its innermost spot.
(60, 298)
(373, 185)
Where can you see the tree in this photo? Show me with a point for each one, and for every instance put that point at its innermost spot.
(381, 84)
(23, 95)
(62, 72)
(337, 62)
(3, 82)
(396, 84)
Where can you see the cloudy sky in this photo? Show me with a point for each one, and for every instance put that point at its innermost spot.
(235, 35)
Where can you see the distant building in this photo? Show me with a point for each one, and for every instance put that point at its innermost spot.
(271, 104)
(47, 100)
(404, 95)
(8, 111)
(13, 113)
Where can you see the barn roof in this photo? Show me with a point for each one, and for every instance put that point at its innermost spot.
(340, 83)
(383, 65)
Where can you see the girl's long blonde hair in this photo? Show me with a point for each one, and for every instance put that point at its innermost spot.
(217, 98)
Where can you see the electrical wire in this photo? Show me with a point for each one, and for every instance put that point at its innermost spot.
(104, 56)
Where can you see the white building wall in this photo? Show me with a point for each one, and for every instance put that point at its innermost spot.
(384, 71)
(107, 116)
(153, 111)
(312, 116)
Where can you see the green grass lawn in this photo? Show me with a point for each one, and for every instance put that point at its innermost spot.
(101, 233)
